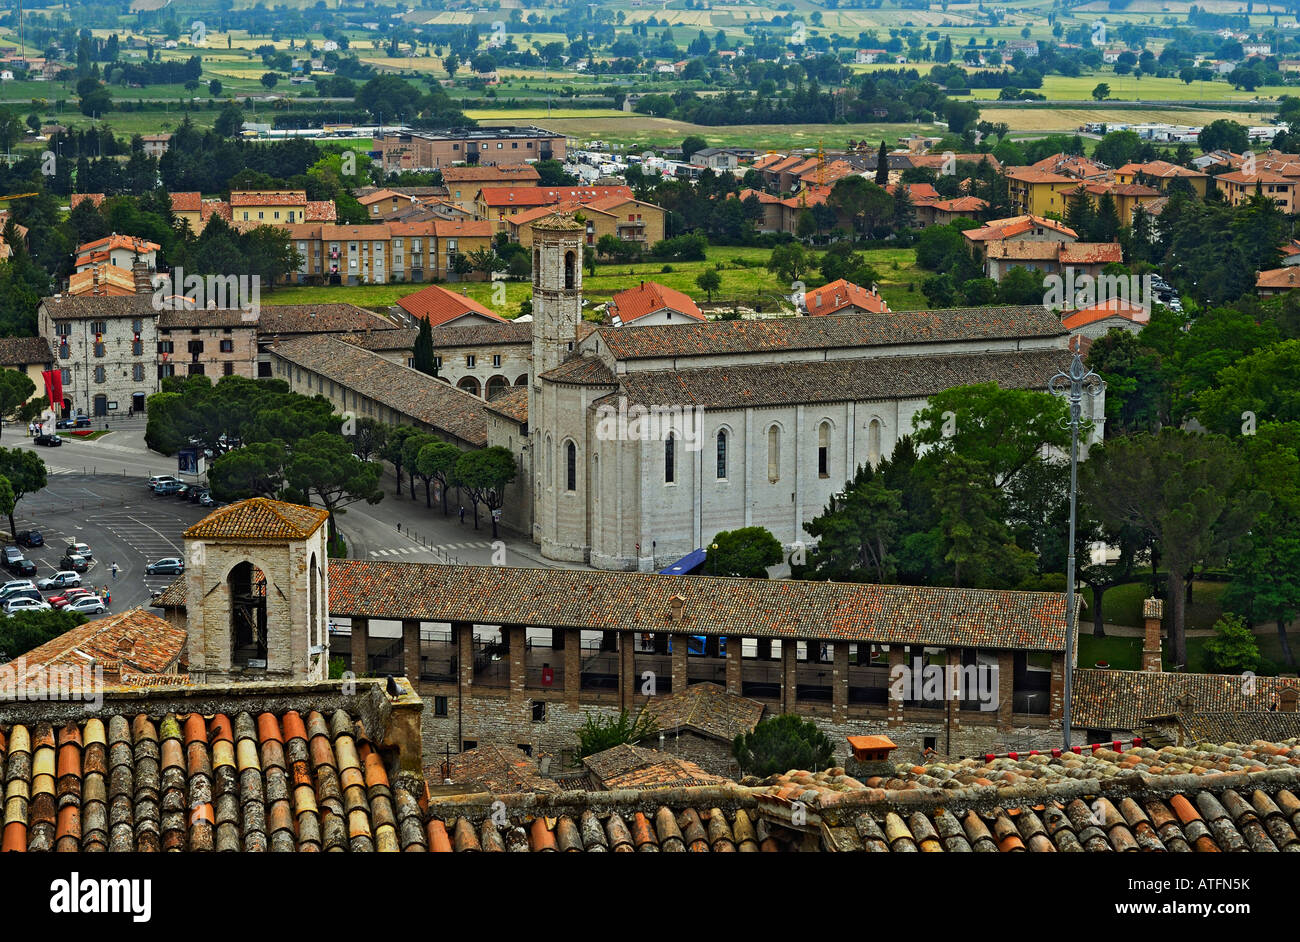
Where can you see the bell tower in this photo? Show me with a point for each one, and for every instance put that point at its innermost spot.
(557, 289)
(257, 593)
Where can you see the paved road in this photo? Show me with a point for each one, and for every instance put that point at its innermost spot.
(97, 495)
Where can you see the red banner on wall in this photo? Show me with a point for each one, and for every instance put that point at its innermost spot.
(54, 387)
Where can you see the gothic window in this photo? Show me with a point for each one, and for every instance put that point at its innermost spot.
(824, 450)
(670, 459)
(774, 454)
(722, 454)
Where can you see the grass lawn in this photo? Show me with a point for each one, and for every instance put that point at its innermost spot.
(1128, 88)
(745, 279)
(1123, 604)
(1071, 119)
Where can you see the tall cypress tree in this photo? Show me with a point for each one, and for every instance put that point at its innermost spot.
(423, 349)
(882, 165)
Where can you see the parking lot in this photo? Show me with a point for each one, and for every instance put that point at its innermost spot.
(121, 520)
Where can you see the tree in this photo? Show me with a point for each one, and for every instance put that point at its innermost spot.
(422, 351)
(394, 452)
(485, 473)
(1191, 495)
(598, 733)
(882, 166)
(857, 532)
(969, 530)
(323, 464)
(692, 144)
(781, 743)
(25, 472)
(23, 631)
(214, 88)
(1223, 134)
(256, 470)
(789, 262)
(451, 63)
(269, 79)
(436, 461)
(230, 120)
(1233, 649)
(1101, 92)
(746, 552)
(389, 95)
(15, 389)
(709, 281)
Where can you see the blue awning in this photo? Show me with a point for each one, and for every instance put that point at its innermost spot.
(686, 565)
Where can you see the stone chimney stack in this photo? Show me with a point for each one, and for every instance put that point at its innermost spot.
(140, 271)
(1152, 615)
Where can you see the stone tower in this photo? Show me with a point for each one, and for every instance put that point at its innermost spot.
(257, 593)
(557, 289)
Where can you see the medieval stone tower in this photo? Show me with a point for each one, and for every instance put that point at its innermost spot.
(557, 311)
(257, 593)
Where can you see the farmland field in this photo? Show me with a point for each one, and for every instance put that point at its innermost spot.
(1071, 119)
(1128, 88)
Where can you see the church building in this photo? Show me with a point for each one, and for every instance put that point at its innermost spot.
(643, 442)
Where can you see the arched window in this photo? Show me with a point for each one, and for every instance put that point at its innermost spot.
(469, 384)
(570, 466)
(670, 459)
(537, 266)
(550, 463)
(824, 450)
(315, 602)
(247, 587)
(873, 442)
(722, 454)
(570, 269)
(774, 454)
(595, 477)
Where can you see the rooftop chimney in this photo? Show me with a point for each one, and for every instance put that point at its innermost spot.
(1287, 699)
(140, 272)
(1152, 615)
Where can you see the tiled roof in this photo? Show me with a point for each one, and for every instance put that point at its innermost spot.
(206, 317)
(811, 333)
(1162, 169)
(841, 294)
(133, 641)
(1031, 175)
(190, 201)
(1110, 699)
(334, 317)
(438, 306)
(840, 380)
(407, 391)
(285, 781)
(919, 192)
(259, 518)
(513, 404)
(629, 601)
(648, 297)
(962, 204)
(626, 766)
(77, 198)
(1104, 310)
(1250, 179)
(1286, 277)
(78, 308)
(997, 229)
(400, 339)
(268, 197)
(523, 172)
(383, 194)
(583, 371)
(321, 211)
(24, 350)
(482, 335)
(497, 196)
(709, 709)
(462, 229)
(496, 769)
(1239, 727)
(937, 161)
(1090, 253)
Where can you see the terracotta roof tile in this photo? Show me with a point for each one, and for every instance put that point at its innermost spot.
(259, 518)
(632, 304)
(439, 306)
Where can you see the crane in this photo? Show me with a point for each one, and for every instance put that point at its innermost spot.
(17, 196)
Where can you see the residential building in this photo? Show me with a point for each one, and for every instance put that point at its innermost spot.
(1238, 187)
(464, 183)
(1039, 192)
(1277, 281)
(207, 342)
(497, 204)
(651, 303)
(29, 355)
(106, 349)
(1160, 174)
(619, 215)
(379, 253)
(119, 250)
(1085, 258)
(441, 307)
(155, 145)
(844, 297)
(433, 150)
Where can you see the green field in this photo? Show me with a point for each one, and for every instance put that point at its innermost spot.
(1128, 88)
(899, 283)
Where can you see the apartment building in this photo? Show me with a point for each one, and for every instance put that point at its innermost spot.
(433, 150)
(380, 253)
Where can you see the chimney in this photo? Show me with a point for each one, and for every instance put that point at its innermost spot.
(1152, 614)
(675, 605)
(1287, 699)
(143, 283)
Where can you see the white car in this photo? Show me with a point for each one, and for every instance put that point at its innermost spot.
(25, 605)
(16, 584)
(86, 605)
(60, 580)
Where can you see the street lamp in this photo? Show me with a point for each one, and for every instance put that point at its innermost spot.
(1072, 386)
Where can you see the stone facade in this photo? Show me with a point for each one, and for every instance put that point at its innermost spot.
(107, 352)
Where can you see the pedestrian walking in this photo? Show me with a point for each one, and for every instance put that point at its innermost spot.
(462, 515)
(399, 526)
(113, 570)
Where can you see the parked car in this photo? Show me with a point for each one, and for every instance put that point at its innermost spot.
(25, 605)
(33, 594)
(87, 605)
(29, 538)
(60, 580)
(83, 421)
(50, 440)
(207, 500)
(74, 562)
(11, 555)
(80, 549)
(24, 567)
(15, 585)
(196, 494)
(184, 491)
(166, 488)
(171, 566)
(158, 479)
(71, 595)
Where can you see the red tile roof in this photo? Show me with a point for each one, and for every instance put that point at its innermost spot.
(259, 518)
(268, 197)
(135, 641)
(840, 295)
(1279, 279)
(997, 229)
(649, 297)
(439, 306)
(190, 201)
(1104, 310)
(497, 196)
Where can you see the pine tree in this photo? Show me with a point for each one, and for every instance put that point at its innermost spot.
(882, 165)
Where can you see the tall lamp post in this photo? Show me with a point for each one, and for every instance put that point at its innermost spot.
(1072, 385)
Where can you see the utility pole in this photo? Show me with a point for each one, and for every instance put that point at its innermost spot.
(1072, 386)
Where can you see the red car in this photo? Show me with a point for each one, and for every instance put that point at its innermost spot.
(59, 601)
